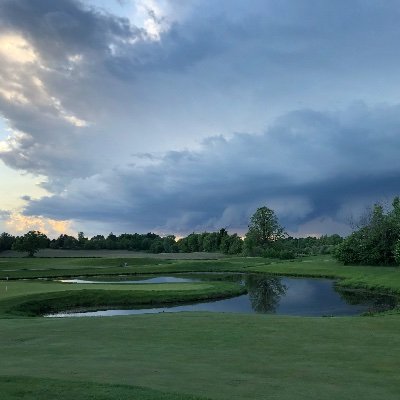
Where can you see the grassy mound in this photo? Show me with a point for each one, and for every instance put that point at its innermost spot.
(49, 301)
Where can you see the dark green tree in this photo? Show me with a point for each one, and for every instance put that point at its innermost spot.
(6, 241)
(82, 240)
(264, 230)
(111, 242)
(374, 243)
(31, 242)
(169, 244)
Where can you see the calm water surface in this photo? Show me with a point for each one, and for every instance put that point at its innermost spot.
(138, 279)
(266, 295)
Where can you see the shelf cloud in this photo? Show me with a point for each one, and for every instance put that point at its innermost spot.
(193, 114)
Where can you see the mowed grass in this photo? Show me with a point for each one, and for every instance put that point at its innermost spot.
(221, 356)
(22, 288)
(17, 268)
(115, 254)
(16, 388)
(25, 268)
(19, 298)
(376, 278)
(217, 356)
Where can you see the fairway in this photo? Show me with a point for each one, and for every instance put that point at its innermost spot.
(218, 356)
(191, 355)
(199, 200)
(19, 288)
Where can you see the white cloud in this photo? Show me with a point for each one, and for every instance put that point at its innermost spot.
(16, 49)
(17, 224)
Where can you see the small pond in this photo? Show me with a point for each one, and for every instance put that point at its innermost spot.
(266, 295)
(138, 279)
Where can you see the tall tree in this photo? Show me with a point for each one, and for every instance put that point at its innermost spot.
(264, 228)
(6, 241)
(31, 242)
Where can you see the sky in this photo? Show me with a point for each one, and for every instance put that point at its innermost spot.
(179, 116)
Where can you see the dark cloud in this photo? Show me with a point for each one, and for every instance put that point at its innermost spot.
(306, 166)
(227, 66)
(61, 28)
(99, 89)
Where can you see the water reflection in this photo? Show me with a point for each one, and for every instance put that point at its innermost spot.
(268, 294)
(264, 292)
(376, 302)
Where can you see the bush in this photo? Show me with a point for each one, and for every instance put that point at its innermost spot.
(271, 253)
(286, 255)
(397, 253)
(376, 242)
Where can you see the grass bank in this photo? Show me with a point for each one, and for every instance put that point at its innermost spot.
(380, 279)
(39, 298)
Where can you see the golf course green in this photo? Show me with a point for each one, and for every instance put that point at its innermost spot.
(191, 355)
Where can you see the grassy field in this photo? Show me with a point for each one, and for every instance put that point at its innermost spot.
(385, 279)
(181, 356)
(16, 388)
(114, 254)
(221, 356)
(17, 268)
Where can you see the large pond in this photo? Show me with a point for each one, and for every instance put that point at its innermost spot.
(266, 295)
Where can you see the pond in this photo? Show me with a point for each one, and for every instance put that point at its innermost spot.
(266, 295)
(138, 279)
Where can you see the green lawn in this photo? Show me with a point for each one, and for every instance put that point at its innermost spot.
(222, 356)
(17, 268)
(27, 298)
(16, 388)
(22, 288)
(209, 355)
(377, 278)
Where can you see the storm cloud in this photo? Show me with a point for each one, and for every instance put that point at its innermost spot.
(219, 108)
(308, 165)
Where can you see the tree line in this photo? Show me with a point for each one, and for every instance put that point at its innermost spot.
(265, 238)
(374, 241)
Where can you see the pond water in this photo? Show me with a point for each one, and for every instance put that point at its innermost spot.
(266, 295)
(138, 279)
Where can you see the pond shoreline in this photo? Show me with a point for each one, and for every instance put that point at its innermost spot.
(267, 294)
